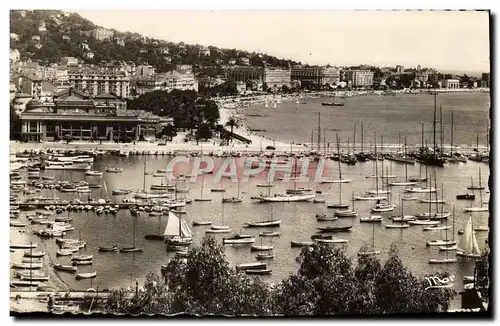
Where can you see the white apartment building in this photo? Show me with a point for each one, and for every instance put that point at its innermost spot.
(96, 82)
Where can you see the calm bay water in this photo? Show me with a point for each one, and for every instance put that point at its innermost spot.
(388, 116)
(298, 219)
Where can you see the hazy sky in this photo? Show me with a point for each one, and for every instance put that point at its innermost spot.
(447, 40)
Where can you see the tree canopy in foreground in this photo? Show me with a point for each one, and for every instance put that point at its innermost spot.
(327, 283)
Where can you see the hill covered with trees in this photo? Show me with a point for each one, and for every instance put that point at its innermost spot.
(64, 33)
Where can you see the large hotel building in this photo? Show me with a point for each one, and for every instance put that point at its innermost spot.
(96, 82)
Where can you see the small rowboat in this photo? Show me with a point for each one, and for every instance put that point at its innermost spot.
(81, 262)
(131, 249)
(301, 243)
(397, 226)
(338, 206)
(269, 234)
(86, 275)
(199, 223)
(65, 268)
(264, 255)
(261, 247)
(331, 240)
(34, 254)
(247, 266)
(258, 271)
(82, 257)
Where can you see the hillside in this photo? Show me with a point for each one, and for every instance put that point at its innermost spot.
(123, 46)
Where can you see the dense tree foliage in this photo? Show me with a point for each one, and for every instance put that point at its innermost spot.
(326, 283)
(15, 124)
(185, 107)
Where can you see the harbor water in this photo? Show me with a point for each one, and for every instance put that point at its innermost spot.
(387, 116)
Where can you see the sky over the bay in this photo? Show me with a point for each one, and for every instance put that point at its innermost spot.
(446, 40)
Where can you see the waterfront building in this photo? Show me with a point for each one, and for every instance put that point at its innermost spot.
(451, 83)
(14, 55)
(97, 82)
(74, 115)
(275, 78)
(102, 34)
(422, 76)
(358, 78)
(244, 73)
(166, 82)
(316, 75)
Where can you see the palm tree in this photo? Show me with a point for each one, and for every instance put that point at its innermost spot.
(232, 122)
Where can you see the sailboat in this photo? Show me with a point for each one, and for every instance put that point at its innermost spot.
(272, 222)
(467, 245)
(444, 260)
(346, 212)
(480, 208)
(453, 247)
(265, 254)
(431, 157)
(133, 248)
(219, 228)
(402, 217)
(406, 182)
(202, 186)
(340, 179)
(437, 215)
(221, 189)
(233, 200)
(445, 242)
(371, 252)
(177, 231)
(373, 194)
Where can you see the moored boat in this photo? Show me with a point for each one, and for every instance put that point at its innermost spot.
(86, 275)
(112, 248)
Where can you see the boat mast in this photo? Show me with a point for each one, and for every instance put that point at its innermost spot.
(422, 135)
(340, 171)
(338, 152)
(354, 141)
(434, 123)
(480, 189)
(376, 165)
(319, 131)
(441, 126)
(406, 165)
(361, 137)
(144, 176)
(451, 142)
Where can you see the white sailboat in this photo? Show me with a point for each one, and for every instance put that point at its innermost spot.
(452, 247)
(233, 200)
(371, 252)
(340, 179)
(467, 245)
(219, 228)
(177, 232)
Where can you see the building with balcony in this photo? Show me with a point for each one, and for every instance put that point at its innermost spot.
(358, 78)
(316, 75)
(275, 78)
(74, 115)
(244, 73)
(96, 82)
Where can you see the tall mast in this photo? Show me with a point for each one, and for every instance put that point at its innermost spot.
(422, 135)
(441, 126)
(354, 141)
(338, 153)
(361, 137)
(340, 171)
(144, 175)
(406, 165)
(451, 142)
(376, 164)
(434, 123)
(319, 131)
